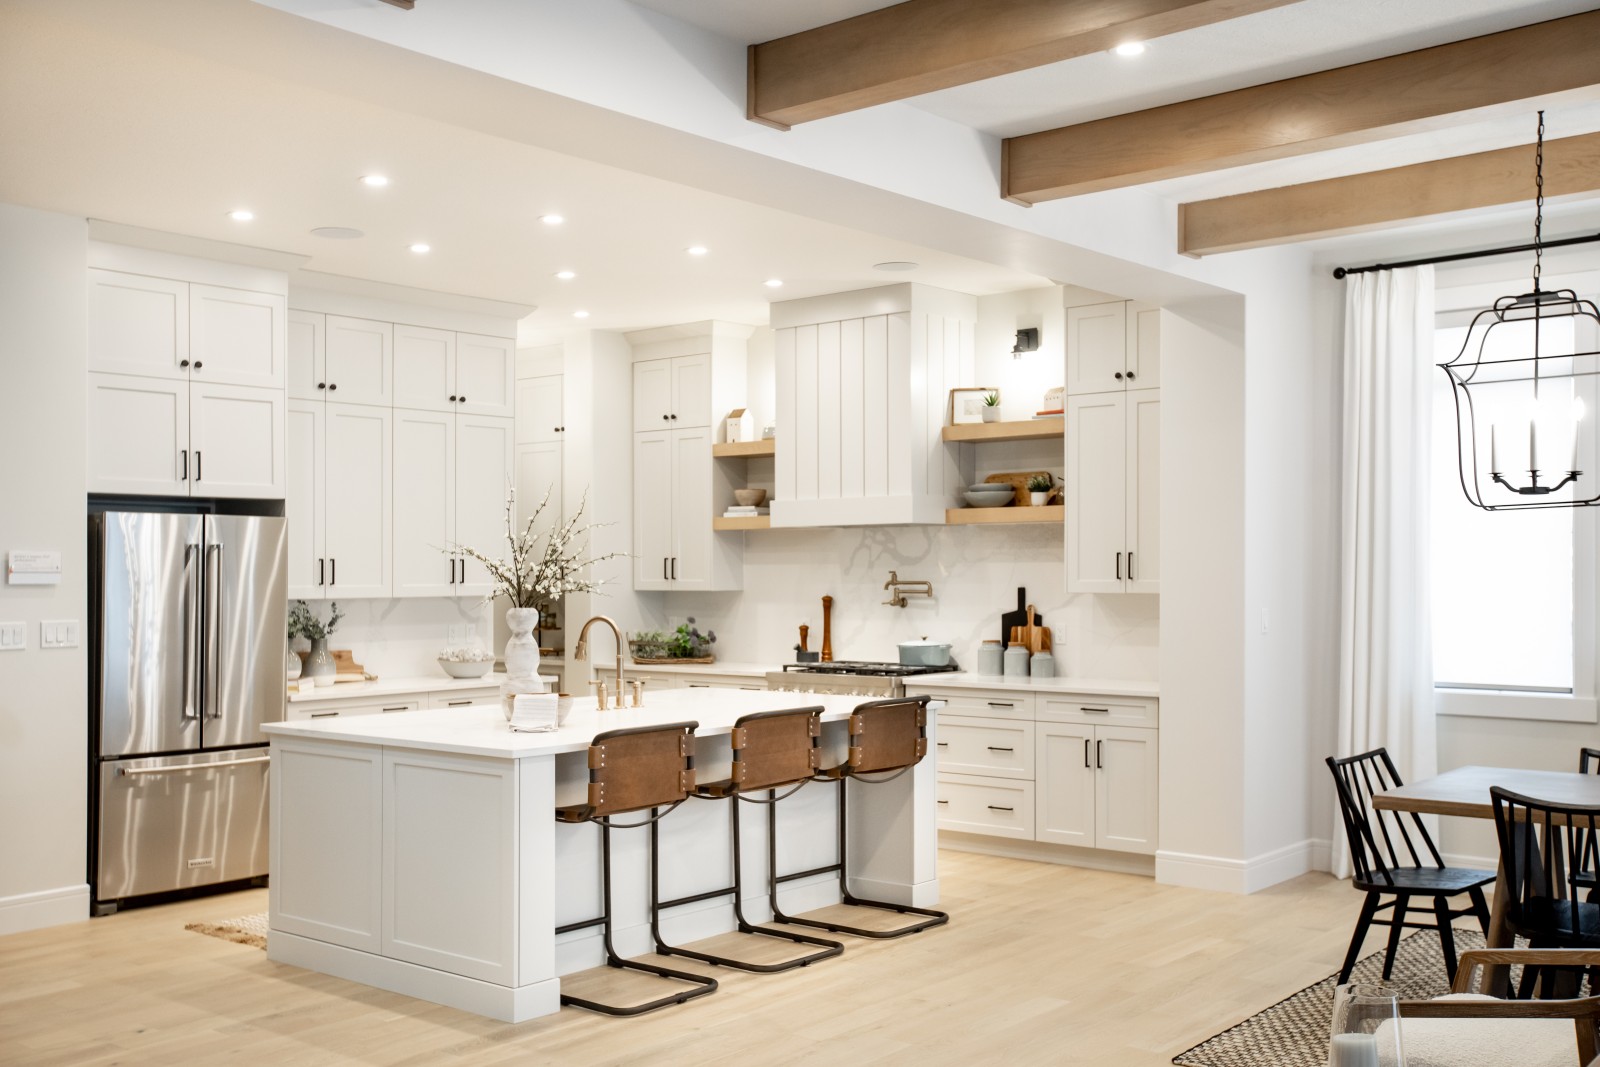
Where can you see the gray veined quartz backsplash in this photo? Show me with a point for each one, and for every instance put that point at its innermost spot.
(975, 572)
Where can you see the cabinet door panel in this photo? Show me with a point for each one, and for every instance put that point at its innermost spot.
(1065, 785)
(138, 325)
(236, 441)
(424, 368)
(360, 361)
(424, 503)
(652, 395)
(1096, 493)
(691, 391)
(539, 409)
(1125, 789)
(1144, 491)
(1144, 347)
(236, 337)
(484, 454)
(307, 366)
(305, 448)
(652, 509)
(1096, 347)
(690, 558)
(538, 474)
(359, 527)
(138, 435)
(486, 375)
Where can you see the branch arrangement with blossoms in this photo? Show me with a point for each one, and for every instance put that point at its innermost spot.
(534, 573)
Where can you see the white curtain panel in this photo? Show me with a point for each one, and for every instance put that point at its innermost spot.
(1385, 641)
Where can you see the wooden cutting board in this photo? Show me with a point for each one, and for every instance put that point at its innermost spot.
(1019, 482)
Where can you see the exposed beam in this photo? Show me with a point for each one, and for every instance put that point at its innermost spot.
(407, 4)
(1403, 94)
(924, 45)
(1370, 201)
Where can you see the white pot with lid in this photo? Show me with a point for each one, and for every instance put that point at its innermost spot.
(924, 653)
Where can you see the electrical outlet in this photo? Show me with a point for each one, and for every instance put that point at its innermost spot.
(462, 633)
(58, 633)
(13, 636)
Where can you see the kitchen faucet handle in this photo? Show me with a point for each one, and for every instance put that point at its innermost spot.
(894, 580)
(599, 686)
(637, 685)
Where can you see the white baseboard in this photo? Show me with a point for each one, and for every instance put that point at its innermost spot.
(1065, 855)
(48, 907)
(1226, 875)
(1481, 863)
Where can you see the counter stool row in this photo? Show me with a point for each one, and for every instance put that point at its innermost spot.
(651, 768)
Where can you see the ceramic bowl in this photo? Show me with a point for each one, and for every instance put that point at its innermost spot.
(990, 487)
(750, 498)
(990, 500)
(460, 669)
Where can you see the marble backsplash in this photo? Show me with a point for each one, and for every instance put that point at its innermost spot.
(403, 638)
(975, 571)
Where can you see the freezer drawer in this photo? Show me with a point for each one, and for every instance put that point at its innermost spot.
(174, 822)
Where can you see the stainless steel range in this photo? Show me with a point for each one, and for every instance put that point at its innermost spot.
(851, 677)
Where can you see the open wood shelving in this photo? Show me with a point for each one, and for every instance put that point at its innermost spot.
(1027, 430)
(1011, 515)
(741, 522)
(742, 449)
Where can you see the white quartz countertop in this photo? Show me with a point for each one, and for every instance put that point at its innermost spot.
(483, 731)
(1111, 687)
(732, 670)
(388, 687)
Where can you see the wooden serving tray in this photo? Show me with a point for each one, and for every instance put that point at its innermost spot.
(1018, 480)
(671, 660)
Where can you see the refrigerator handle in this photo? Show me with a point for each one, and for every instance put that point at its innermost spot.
(213, 651)
(191, 632)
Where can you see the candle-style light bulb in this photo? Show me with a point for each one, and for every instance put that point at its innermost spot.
(1533, 446)
(1494, 453)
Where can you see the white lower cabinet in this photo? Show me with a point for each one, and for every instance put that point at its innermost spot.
(1097, 786)
(994, 806)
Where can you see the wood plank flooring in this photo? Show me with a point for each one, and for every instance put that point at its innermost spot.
(1039, 964)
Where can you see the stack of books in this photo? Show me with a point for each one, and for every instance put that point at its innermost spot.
(738, 511)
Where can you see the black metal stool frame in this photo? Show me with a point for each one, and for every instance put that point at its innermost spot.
(703, 984)
(842, 774)
(827, 949)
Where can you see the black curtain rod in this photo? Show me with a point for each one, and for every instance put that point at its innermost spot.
(1340, 272)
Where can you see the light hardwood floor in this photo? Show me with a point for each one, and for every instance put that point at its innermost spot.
(1039, 964)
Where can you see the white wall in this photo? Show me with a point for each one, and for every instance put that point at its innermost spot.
(43, 694)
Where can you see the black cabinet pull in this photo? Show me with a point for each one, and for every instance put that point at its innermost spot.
(322, 571)
(1130, 566)
(1119, 566)
(323, 714)
(1001, 704)
(674, 568)
(197, 464)
(183, 363)
(458, 704)
(185, 455)
(997, 807)
(1086, 762)
(995, 748)
(333, 571)
(943, 744)
(402, 707)
(944, 802)
(663, 558)
(322, 385)
(452, 572)
(1097, 711)
(1098, 753)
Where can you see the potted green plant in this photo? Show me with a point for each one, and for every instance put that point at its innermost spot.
(991, 406)
(686, 644)
(1039, 487)
(303, 622)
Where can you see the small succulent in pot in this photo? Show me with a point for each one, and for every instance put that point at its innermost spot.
(991, 406)
(1039, 487)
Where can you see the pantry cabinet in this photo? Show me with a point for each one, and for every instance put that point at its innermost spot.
(340, 501)
(675, 547)
(539, 409)
(1113, 492)
(1113, 347)
(358, 361)
(540, 451)
(453, 470)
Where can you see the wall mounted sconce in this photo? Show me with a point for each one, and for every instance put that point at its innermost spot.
(1027, 341)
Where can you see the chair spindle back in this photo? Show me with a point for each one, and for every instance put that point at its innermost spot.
(1380, 841)
(1543, 846)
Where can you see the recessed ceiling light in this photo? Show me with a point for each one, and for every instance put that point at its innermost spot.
(338, 233)
(895, 264)
(773, 283)
(565, 275)
(241, 215)
(552, 220)
(580, 314)
(1130, 48)
(377, 181)
(697, 250)
(420, 248)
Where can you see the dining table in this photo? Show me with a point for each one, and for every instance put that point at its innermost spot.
(1464, 792)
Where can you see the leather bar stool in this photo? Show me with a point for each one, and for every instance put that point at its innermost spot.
(887, 737)
(772, 750)
(644, 768)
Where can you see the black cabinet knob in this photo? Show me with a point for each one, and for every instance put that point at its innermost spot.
(674, 418)
(322, 385)
(664, 418)
(452, 400)
(183, 363)
(332, 386)
(1130, 376)
(198, 364)
(463, 400)
(1119, 376)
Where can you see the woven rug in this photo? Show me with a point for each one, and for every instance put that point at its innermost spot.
(1294, 1031)
(245, 930)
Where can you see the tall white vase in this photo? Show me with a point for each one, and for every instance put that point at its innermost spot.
(522, 657)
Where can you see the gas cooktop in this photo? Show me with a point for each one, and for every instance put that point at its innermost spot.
(864, 668)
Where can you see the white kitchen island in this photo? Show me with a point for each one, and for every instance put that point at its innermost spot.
(419, 852)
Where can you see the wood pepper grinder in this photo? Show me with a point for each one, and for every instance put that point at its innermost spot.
(827, 629)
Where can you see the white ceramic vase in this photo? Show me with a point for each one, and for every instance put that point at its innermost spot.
(319, 664)
(522, 657)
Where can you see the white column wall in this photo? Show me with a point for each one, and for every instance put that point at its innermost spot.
(43, 721)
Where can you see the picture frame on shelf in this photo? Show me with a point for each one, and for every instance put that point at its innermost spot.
(966, 405)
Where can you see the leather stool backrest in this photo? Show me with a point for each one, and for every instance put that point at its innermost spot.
(886, 735)
(776, 748)
(643, 767)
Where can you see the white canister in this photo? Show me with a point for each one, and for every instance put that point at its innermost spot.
(991, 659)
(1016, 662)
(1043, 665)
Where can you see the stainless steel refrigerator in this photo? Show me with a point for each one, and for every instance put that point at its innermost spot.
(187, 653)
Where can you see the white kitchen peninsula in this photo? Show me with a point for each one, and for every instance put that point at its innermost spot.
(419, 853)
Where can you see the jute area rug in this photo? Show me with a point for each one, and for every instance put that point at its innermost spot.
(245, 930)
(1294, 1031)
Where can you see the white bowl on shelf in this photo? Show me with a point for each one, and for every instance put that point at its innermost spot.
(466, 668)
(997, 497)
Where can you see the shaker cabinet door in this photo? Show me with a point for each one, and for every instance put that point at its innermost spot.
(424, 504)
(1097, 348)
(486, 375)
(359, 525)
(652, 510)
(652, 395)
(539, 409)
(1144, 491)
(1096, 493)
(424, 369)
(305, 449)
(689, 562)
(236, 441)
(307, 359)
(539, 481)
(484, 457)
(1065, 785)
(236, 337)
(138, 435)
(360, 357)
(1125, 789)
(138, 325)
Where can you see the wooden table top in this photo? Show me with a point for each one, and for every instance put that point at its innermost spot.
(1465, 791)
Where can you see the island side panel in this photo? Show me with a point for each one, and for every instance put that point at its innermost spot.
(894, 834)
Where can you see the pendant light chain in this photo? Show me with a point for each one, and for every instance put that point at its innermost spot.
(1538, 203)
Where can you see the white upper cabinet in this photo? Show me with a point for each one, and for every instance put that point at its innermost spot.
(424, 368)
(304, 496)
(486, 375)
(1113, 347)
(484, 471)
(138, 325)
(360, 360)
(425, 506)
(138, 435)
(358, 514)
(652, 395)
(236, 441)
(691, 392)
(236, 337)
(539, 473)
(307, 355)
(539, 409)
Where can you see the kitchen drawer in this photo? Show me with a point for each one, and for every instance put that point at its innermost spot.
(999, 807)
(464, 698)
(987, 703)
(1089, 709)
(347, 708)
(999, 748)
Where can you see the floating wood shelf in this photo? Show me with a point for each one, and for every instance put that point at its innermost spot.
(743, 522)
(1056, 513)
(743, 449)
(1029, 430)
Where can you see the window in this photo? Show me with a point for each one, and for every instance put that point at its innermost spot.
(1513, 592)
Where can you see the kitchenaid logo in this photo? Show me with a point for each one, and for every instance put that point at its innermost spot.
(204, 861)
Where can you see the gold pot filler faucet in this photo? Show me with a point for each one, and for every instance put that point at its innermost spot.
(581, 652)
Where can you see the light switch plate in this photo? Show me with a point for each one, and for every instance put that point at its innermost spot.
(13, 636)
(58, 633)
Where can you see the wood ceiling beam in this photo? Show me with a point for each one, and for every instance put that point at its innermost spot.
(925, 45)
(1408, 93)
(1381, 198)
(407, 4)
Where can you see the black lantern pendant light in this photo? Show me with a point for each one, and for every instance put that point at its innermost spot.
(1526, 373)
